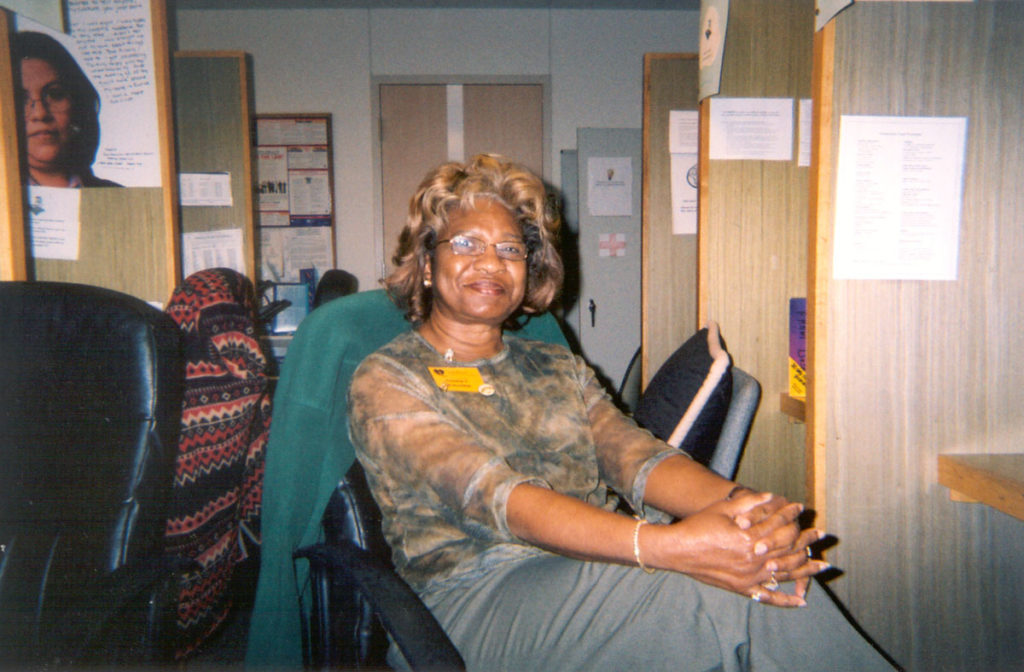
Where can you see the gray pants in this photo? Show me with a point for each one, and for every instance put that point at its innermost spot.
(555, 613)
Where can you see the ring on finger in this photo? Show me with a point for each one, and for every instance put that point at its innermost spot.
(772, 583)
(756, 596)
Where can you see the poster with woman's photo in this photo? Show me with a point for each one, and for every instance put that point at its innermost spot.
(87, 98)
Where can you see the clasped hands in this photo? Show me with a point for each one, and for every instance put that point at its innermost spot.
(749, 544)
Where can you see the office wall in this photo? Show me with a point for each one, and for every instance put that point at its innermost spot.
(323, 61)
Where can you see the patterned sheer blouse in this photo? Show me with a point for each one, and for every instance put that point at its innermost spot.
(441, 464)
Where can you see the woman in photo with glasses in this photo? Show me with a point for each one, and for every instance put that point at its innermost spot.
(60, 108)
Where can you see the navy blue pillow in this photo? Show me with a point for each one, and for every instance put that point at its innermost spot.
(687, 399)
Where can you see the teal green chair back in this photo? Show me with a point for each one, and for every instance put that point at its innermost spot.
(309, 452)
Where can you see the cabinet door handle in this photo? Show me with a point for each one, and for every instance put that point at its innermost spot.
(593, 313)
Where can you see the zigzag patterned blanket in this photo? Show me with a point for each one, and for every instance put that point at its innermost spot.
(218, 477)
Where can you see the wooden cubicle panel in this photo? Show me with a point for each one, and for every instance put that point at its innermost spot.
(213, 118)
(907, 370)
(669, 294)
(129, 236)
(819, 204)
(753, 232)
(13, 254)
(121, 245)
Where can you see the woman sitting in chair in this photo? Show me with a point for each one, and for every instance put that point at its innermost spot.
(498, 462)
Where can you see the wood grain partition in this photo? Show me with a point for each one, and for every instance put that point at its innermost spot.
(669, 291)
(905, 371)
(753, 232)
(213, 117)
(129, 236)
(13, 254)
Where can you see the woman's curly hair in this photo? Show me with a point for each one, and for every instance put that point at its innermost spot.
(455, 186)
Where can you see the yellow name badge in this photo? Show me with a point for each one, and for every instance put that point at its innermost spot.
(460, 379)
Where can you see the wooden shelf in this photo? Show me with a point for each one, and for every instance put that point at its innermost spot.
(792, 406)
(995, 480)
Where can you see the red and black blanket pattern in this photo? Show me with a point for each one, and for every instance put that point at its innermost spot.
(214, 520)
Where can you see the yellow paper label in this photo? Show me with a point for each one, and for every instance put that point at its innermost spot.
(797, 380)
(457, 378)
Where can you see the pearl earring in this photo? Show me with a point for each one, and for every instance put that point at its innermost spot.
(427, 283)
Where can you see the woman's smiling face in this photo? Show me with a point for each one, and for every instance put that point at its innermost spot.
(482, 289)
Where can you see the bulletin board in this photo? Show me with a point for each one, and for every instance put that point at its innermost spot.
(295, 195)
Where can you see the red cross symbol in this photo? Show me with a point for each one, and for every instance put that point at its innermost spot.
(611, 245)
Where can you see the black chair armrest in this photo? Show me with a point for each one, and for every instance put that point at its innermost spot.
(407, 620)
(130, 609)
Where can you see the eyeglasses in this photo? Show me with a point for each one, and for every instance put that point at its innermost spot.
(473, 247)
(54, 98)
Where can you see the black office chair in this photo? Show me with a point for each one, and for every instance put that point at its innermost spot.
(358, 599)
(90, 408)
(700, 402)
(631, 386)
(348, 578)
(746, 396)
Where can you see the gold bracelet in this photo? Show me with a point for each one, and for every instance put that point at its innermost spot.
(636, 546)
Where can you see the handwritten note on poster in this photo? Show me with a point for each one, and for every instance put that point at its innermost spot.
(115, 42)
